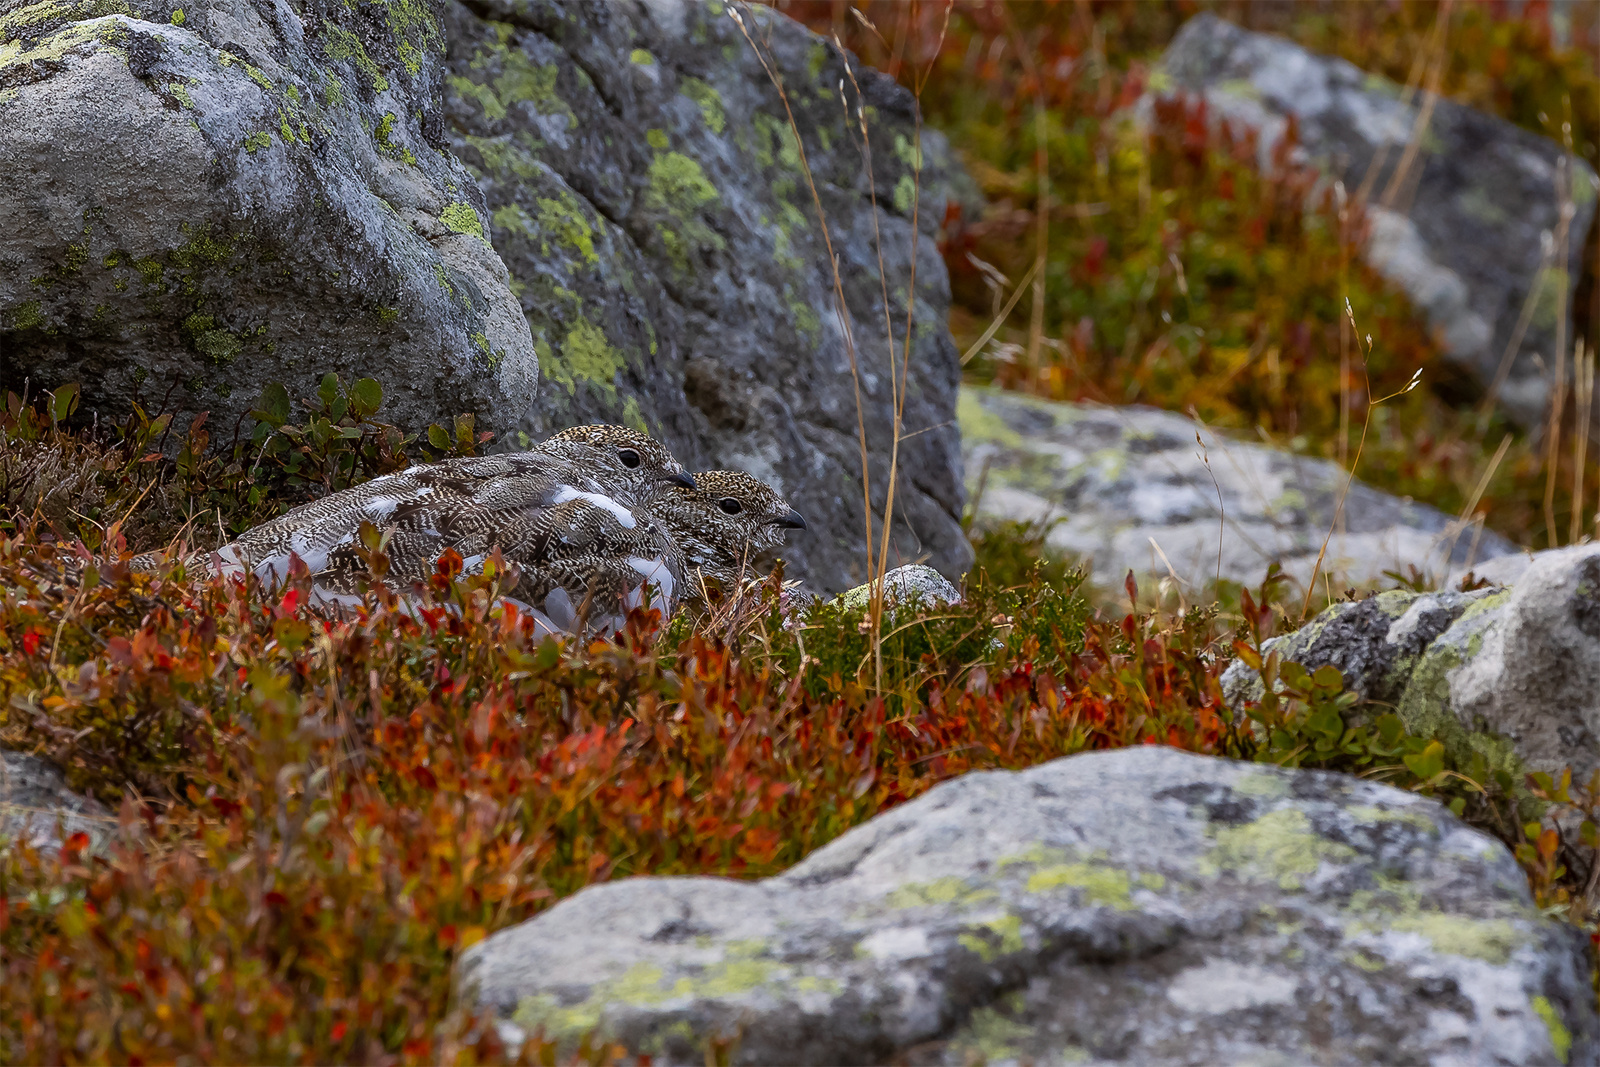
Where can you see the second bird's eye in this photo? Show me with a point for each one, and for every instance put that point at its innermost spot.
(629, 457)
(729, 505)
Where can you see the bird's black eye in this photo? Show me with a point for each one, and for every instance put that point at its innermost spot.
(729, 505)
(629, 457)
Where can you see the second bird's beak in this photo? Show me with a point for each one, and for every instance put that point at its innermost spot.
(683, 478)
(793, 520)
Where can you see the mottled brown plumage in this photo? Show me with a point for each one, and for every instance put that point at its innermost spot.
(464, 501)
(722, 525)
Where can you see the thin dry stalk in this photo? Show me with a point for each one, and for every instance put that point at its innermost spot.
(1397, 180)
(1583, 393)
(841, 309)
(1001, 316)
(1041, 209)
(899, 393)
(1558, 397)
(1552, 450)
(1366, 424)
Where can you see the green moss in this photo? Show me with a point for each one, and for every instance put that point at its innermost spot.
(640, 58)
(341, 44)
(333, 92)
(443, 279)
(258, 77)
(180, 93)
(508, 156)
(1560, 1036)
(1280, 846)
(177, 16)
(460, 218)
(657, 139)
(257, 141)
(710, 102)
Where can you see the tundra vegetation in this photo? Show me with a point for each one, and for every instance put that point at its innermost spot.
(313, 817)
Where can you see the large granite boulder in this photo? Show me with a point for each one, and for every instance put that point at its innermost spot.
(1144, 905)
(1461, 233)
(1508, 671)
(202, 198)
(652, 204)
(1132, 488)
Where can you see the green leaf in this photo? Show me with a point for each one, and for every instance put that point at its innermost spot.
(64, 402)
(464, 431)
(1328, 677)
(366, 397)
(329, 390)
(438, 438)
(273, 408)
(1427, 764)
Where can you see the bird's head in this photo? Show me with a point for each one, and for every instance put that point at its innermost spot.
(623, 462)
(726, 520)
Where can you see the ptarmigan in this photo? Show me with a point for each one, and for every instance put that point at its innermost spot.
(721, 526)
(462, 503)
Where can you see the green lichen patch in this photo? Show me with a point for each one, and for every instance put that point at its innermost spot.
(1560, 1036)
(710, 102)
(994, 1034)
(27, 316)
(519, 80)
(257, 141)
(340, 45)
(641, 58)
(1101, 884)
(1279, 846)
(1492, 940)
(459, 217)
(383, 133)
(941, 892)
(562, 219)
(978, 423)
(586, 356)
(992, 938)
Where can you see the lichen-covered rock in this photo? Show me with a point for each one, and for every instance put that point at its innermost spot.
(1132, 488)
(1511, 672)
(1461, 232)
(654, 209)
(1144, 905)
(36, 805)
(201, 198)
(913, 583)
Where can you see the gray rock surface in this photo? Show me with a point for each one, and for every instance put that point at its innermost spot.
(914, 581)
(1461, 235)
(202, 198)
(1511, 672)
(1133, 490)
(652, 205)
(1142, 905)
(35, 804)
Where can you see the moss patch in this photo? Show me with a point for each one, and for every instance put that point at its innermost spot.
(460, 218)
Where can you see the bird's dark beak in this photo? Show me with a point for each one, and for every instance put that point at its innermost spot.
(683, 478)
(793, 520)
